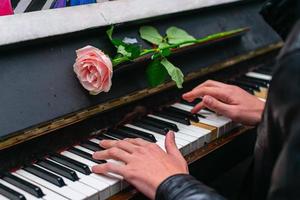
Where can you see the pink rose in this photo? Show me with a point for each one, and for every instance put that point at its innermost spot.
(93, 69)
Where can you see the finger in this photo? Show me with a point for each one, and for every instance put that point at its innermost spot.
(209, 83)
(171, 146)
(198, 107)
(121, 144)
(109, 168)
(217, 106)
(216, 92)
(113, 153)
(212, 83)
(137, 141)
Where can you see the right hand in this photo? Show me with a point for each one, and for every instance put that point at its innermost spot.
(228, 100)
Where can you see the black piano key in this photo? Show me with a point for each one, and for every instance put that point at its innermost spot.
(257, 79)
(85, 155)
(263, 71)
(150, 127)
(173, 117)
(161, 126)
(139, 134)
(73, 164)
(11, 194)
(35, 5)
(105, 137)
(113, 134)
(158, 122)
(189, 115)
(22, 184)
(260, 83)
(45, 175)
(91, 146)
(193, 103)
(14, 3)
(63, 171)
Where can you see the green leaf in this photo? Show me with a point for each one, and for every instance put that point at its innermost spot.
(156, 73)
(151, 34)
(109, 32)
(174, 72)
(165, 52)
(176, 35)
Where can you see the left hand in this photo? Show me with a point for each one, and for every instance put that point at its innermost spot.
(146, 164)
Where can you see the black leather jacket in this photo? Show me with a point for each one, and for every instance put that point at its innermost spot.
(276, 170)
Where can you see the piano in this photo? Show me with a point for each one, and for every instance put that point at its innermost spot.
(50, 126)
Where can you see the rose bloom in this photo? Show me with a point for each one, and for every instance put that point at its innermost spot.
(93, 69)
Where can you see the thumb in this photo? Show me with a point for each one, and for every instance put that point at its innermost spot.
(216, 105)
(170, 145)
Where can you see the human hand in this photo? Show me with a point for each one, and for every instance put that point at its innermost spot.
(146, 164)
(228, 100)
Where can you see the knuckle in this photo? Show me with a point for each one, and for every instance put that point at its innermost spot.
(113, 151)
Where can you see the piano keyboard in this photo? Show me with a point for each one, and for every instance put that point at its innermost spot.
(67, 174)
(21, 6)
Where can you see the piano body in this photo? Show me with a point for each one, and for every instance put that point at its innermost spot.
(50, 126)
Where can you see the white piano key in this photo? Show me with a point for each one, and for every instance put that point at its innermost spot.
(200, 133)
(26, 194)
(185, 146)
(179, 141)
(64, 191)
(91, 193)
(116, 184)
(48, 4)
(259, 76)
(3, 197)
(100, 185)
(49, 195)
(220, 125)
(22, 5)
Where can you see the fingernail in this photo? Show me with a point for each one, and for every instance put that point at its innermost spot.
(171, 133)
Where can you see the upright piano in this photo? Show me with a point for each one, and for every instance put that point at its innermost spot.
(50, 126)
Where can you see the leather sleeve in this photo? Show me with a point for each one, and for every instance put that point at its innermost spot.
(285, 111)
(183, 186)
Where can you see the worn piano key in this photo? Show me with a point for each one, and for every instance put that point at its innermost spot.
(22, 184)
(63, 191)
(173, 117)
(161, 123)
(56, 180)
(150, 127)
(3, 197)
(85, 155)
(214, 126)
(10, 193)
(73, 164)
(139, 134)
(76, 185)
(91, 145)
(183, 113)
(101, 186)
(58, 169)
